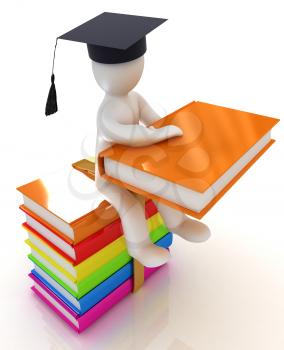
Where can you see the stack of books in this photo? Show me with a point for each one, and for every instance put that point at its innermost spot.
(82, 267)
(81, 264)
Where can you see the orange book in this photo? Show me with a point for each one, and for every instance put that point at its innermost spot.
(191, 172)
(67, 203)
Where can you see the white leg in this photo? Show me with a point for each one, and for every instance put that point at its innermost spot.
(182, 225)
(132, 215)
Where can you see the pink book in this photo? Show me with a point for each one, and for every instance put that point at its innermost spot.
(81, 322)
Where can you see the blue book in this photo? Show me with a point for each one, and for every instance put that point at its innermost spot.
(80, 306)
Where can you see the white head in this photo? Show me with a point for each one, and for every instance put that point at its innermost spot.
(120, 78)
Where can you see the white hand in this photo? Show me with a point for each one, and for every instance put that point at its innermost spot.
(167, 132)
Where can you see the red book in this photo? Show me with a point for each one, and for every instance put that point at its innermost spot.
(77, 252)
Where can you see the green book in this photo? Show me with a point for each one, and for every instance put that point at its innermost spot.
(78, 290)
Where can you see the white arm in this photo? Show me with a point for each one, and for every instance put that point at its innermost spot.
(114, 127)
(147, 114)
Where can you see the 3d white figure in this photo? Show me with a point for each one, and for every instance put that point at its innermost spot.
(123, 118)
(116, 45)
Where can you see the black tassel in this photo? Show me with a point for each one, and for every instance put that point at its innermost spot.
(51, 103)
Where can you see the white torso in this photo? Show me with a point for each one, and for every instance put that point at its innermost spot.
(129, 103)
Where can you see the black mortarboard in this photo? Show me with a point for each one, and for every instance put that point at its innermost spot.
(110, 38)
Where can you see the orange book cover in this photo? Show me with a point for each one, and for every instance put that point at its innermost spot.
(218, 145)
(67, 203)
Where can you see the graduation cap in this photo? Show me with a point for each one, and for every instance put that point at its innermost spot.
(111, 38)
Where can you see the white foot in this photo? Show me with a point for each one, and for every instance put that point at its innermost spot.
(192, 230)
(150, 255)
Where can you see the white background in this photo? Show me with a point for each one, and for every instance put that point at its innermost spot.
(226, 293)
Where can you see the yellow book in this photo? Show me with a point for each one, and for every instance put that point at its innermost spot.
(43, 251)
